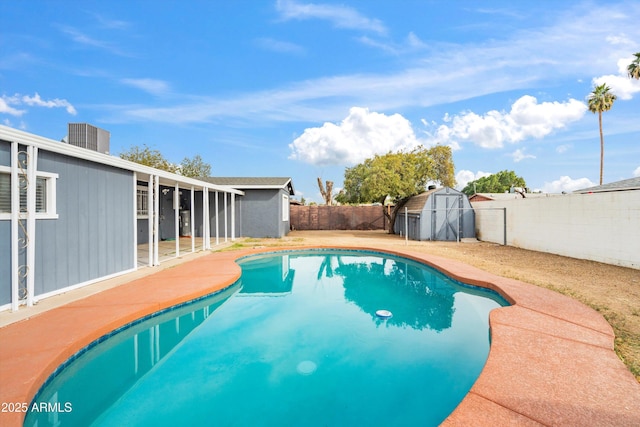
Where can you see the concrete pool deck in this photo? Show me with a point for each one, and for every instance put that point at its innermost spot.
(551, 360)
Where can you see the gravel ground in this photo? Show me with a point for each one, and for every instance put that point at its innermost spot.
(611, 290)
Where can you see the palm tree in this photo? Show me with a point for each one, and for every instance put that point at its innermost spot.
(601, 99)
(634, 67)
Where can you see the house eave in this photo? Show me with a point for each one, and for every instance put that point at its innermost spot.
(10, 134)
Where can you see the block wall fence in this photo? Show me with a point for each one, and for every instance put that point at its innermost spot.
(602, 227)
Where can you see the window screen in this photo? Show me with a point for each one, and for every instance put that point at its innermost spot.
(5, 193)
(142, 199)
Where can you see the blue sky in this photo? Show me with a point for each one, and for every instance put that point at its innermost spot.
(306, 89)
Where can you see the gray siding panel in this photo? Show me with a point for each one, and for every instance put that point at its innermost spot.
(258, 213)
(93, 235)
(167, 220)
(220, 214)
(197, 227)
(5, 262)
(285, 226)
(261, 215)
(5, 153)
(5, 238)
(143, 231)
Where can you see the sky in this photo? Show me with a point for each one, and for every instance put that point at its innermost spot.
(307, 89)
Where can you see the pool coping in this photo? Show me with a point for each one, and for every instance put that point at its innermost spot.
(551, 360)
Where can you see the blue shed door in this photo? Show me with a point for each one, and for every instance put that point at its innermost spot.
(446, 220)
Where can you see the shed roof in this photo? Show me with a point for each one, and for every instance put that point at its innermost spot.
(253, 183)
(624, 185)
(417, 202)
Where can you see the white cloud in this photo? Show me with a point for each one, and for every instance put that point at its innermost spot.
(8, 104)
(447, 73)
(90, 42)
(526, 119)
(415, 42)
(6, 108)
(563, 148)
(36, 100)
(619, 40)
(279, 46)
(636, 172)
(153, 86)
(105, 22)
(340, 16)
(464, 177)
(384, 46)
(412, 43)
(621, 85)
(22, 125)
(520, 155)
(566, 184)
(361, 135)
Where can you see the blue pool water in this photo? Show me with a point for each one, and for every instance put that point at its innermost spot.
(295, 342)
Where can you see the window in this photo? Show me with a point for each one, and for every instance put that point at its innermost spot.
(142, 201)
(45, 194)
(5, 193)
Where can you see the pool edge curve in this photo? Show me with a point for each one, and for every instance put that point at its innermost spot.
(551, 359)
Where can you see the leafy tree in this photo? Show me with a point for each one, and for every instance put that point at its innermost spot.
(195, 168)
(601, 99)
(499, 182)
(144, 155)
(148, 157)
(634, 67)
(397, 176)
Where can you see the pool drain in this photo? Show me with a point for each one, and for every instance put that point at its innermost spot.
(384, 314)
(307, 367)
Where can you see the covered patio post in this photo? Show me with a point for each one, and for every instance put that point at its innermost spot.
(176, 217)
(193, 221)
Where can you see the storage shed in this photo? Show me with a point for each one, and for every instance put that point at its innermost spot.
(438, 214)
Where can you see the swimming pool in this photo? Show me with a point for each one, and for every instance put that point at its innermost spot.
(297, 340)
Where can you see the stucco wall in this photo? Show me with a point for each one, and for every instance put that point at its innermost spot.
(262, 213)
(601, 227)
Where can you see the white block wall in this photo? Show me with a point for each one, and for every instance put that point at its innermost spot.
(601, 227)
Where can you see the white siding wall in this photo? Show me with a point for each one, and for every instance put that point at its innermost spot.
(601, 227)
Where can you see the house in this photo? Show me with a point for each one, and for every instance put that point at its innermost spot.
(71, 216)
(624, 185)
(264, 210)
(438, 214)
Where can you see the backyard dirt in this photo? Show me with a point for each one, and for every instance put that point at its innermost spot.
(611, 290)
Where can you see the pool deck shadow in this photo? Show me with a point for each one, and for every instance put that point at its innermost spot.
(551, 360)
